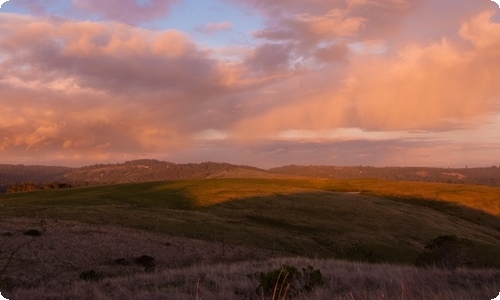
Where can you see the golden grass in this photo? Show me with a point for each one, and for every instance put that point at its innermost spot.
(206, 192)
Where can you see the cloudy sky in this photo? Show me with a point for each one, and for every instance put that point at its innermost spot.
(258, 82)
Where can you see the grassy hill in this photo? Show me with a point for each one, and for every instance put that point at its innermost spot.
(369, 220)
(243, 219)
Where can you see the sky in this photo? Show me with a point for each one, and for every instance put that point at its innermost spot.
(257, 82)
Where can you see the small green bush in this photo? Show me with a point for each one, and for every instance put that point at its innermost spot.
(287, 281)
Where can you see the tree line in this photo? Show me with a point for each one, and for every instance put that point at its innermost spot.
(31, 186)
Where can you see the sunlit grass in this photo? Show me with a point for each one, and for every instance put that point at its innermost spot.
(207, 192)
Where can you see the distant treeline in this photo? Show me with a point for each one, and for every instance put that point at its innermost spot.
(17, 174)
(477, 176)
(30, 187)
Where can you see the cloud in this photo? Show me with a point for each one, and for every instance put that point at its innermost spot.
(127, 11)
(110, 57)
(358, 76)
(103, 88)
(124, 11)
(211, 28)
(443, 85)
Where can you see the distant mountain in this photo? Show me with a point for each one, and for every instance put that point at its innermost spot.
(479, 176)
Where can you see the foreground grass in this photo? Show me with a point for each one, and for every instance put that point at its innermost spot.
(387, 222)
(342, 280)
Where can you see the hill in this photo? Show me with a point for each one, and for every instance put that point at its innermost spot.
(146, 170)
(131, 171)
(227, 220)
(307, 217)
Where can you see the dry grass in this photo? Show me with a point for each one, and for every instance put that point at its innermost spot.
(192, 269)
(343, 280)
(66, 249)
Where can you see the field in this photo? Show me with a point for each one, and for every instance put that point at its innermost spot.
(246, 225)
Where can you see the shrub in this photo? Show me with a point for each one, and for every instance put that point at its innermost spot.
(447, 252)
(91, 275)
(33, 232)
(287, 281)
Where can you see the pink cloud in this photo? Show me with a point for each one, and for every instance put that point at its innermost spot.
(96, 90)
(127, 11)
(438, 86)
(88, 88)
(112, 57)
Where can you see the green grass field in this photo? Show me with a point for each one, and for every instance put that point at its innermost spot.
(365, 220)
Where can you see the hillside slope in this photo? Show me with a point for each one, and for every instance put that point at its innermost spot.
(385, 222)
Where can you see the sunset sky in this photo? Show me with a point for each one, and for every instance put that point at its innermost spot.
(257, 82)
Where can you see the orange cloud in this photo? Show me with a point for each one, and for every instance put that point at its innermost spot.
(437, 86)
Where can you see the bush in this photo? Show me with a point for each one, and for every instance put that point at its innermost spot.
(447, 252)
(33, 232)
(287, 281)
(91, 275)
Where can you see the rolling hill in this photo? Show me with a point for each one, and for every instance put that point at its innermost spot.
(241, 220)
(365, 219)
